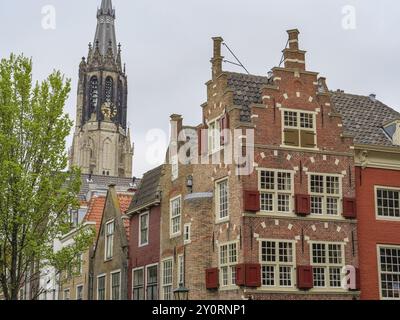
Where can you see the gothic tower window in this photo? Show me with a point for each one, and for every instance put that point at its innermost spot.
(109, 90)
(120, 99)
(94, 93)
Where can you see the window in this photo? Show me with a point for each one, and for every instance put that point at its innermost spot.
(276, 191)
(174, 168)
(214, 140)
(152, 283)
(138, 284)
(228, 258)
(277, 261)
(115, 285)
(299, 129)
(325, 193)
(167, 279)
(94, 94)
(181, 270)
(388, 203)
(79, 292)
(101, 287)
(222, 200)
(175, 215)
(67, 295)
(327, 260)
(109, 240)
(144, 229)
(109, 90)
(389, 262)
(187, 233)
(79, 265)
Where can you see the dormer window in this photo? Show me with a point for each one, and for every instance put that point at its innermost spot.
(299, 129)
(392, 129)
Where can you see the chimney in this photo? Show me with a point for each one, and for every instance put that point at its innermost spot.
(217, 58)
(293, 57)
(372, 97)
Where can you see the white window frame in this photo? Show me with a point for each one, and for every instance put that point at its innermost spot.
(170, 284)
(83, 292)
(327, 265)
(144, 281)
(120, 284)
(378, 247)
(230, 265)
(107, 238)
(178, 233)
(181, 269)
(174, 167)
(147, 213)
(275, 192)
(69, 294)
(105, 286)
(326, 195)
(218, 200)
(187, 227)
(298, 127)
(386, 188)
(214, 135)
(158, 280)
(278, 264)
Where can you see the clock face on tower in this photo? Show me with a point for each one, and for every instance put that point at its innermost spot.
(108, 110)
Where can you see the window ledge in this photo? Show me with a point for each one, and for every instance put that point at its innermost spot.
(228, 288)
(221, 221)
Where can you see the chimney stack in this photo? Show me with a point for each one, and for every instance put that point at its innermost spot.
(294, 58)
(217, 58)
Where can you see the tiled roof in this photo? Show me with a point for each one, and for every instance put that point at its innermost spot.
(95, 210)
(124, 203)
(148, 189)
(364, 117)
(102, 182)
(247, 89)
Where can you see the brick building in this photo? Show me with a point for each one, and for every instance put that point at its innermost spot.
(285, 229)
(376, 130)
(144, 240)
(109, 261)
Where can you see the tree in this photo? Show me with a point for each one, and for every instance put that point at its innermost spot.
(36, 193)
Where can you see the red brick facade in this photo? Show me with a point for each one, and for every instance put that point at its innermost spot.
(149, 254)
(371, 230)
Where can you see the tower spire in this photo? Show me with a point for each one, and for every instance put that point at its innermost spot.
(105, 31)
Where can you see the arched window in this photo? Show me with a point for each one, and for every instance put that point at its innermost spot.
(109, 90)
(94, 93)
(120, 99)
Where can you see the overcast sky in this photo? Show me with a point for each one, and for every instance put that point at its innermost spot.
(167, 47)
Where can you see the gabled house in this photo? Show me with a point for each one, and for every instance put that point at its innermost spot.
(286, 228)
(110, 257)
(144, 242)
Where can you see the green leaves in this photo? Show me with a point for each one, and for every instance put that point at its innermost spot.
(36, 191)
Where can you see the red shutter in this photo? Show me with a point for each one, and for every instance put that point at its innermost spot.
(349, 208)
(224, 124)
(303, 205)
(305, 277)
(253, 275)
(202, 140)
(241, 274)
(212, 278)
(251, 201)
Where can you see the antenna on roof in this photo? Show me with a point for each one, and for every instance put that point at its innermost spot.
(236, 58)
(283, 55)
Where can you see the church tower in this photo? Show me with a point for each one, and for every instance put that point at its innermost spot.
(101, 143)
